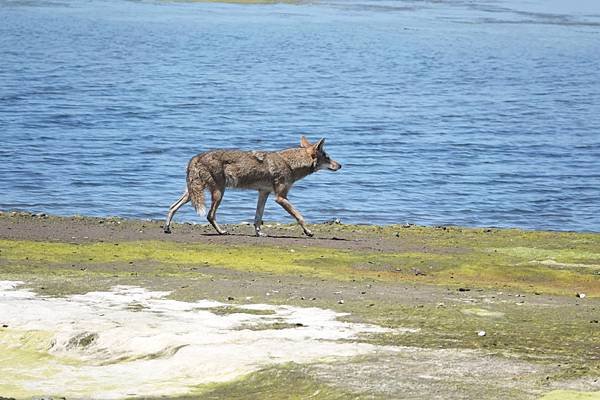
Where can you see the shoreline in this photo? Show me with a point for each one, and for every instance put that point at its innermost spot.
(518, 309)
(201, 221)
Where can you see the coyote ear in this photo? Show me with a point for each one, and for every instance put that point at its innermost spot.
(304, 142)
(319, 145)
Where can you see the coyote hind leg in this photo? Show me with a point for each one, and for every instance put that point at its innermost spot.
(173, 209)
(260, 209)
(217, 196)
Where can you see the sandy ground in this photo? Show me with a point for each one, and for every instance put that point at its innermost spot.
(524, 353)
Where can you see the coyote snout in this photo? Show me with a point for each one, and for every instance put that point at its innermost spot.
(265, 171)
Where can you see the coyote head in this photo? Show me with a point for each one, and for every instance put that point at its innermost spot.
(320, 158)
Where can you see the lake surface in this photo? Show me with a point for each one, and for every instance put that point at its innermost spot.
(469, 113)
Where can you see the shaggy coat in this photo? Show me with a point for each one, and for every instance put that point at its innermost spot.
(264, 171)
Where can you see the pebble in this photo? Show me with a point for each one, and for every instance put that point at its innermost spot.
(340, 301)
(481, 333)
(581, 295)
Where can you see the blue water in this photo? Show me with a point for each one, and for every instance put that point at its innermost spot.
(457, 112)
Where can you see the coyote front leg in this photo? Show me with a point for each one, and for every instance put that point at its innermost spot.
(282, 200)
(260, 209)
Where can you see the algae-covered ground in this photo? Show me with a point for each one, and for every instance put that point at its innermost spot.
(470, 312)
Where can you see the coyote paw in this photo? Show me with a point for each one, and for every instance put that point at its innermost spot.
(308, 233)
(223, 232)
(167, 230)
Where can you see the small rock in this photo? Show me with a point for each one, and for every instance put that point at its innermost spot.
(302, 298)
(230, 298)
(6, 325)
(594, 321)
(462, 289)
(340, 301)
(581, 295)
(481, 333)
(292, 251)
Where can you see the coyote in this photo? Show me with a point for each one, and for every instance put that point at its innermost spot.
(265, 171)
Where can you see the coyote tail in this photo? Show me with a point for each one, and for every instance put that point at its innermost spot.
(196, 191)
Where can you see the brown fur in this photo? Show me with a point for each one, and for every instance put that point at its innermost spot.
(265, 171)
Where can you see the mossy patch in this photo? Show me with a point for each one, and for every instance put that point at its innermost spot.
(226, 310)
(476, 264)
(266, 326)
(570, 395)
(285, 382)
(22, 351)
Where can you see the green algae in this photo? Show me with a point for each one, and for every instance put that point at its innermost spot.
(547, 335)
(284, 382)
(266, 326)
(455, 261)
(23, 354)
(570, 395)
(227, 310)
